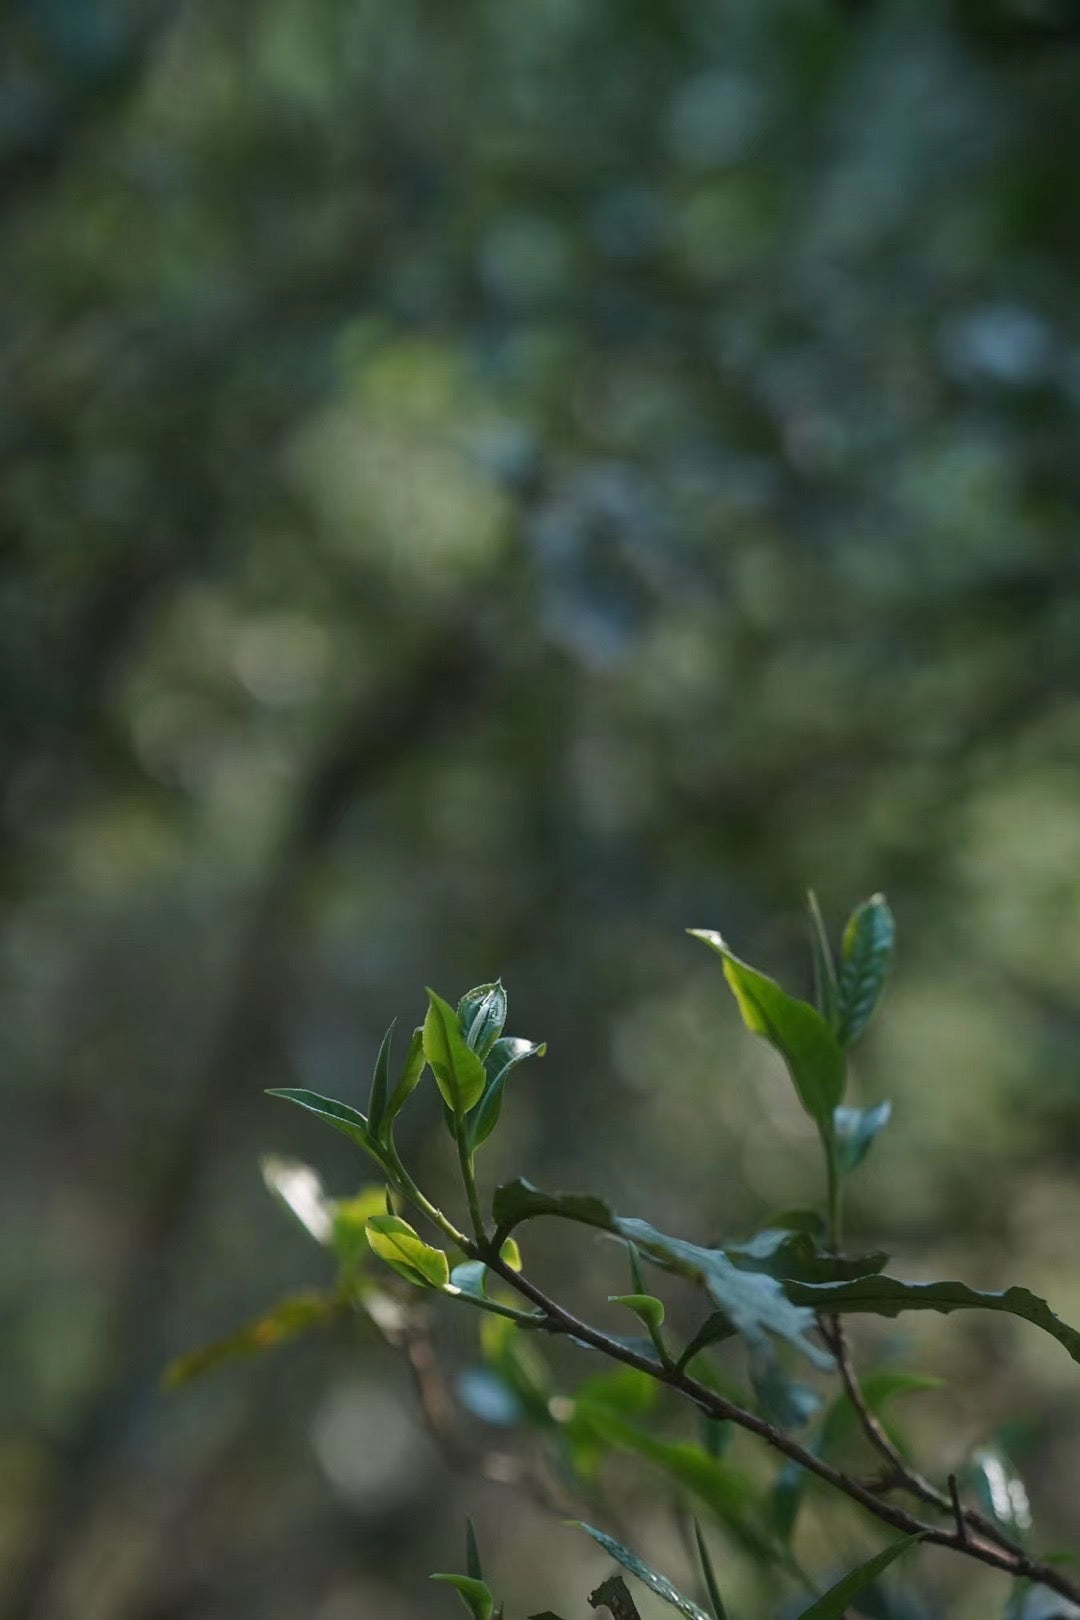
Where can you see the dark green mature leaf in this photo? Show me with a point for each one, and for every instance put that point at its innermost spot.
(409, 1077)
(338, 1114)
(656, 1583)
(834, 1604)
(519, 1200)
(888, 1296)
(824, 968)
(481, 1015)
(755, 1303)
(854, 1130)
(612, 1595)
(786, 1499)
(459, 1073)
(472, 1553)
(796, 1255)
(380, 1088)
(798, 1032)
(865, 958)
(394, 1241)
(715, 1328)
(286, 1320)
(474, 1594)
(499, 1065)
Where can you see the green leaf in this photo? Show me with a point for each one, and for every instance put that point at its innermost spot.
(824, 969)
(711, 1584)
(472, 1553)
(481, 1016)
(519, 1200)
(459, 1073)
(798, 1032)
(838, 1599)
(338, 1114)
(409, 1077)
(380, 1088)
(889, 1296)
(755, 1303)
(796, 1255)
(786, 1499)
(1001, 1491)
(394, 1241)
(613, 1596)
(656, 1583)
(713, 1330)
(300, 1189)
(854, 1129)
(474, 1594)
(349, 1230)
(865, 958)
(286, 1320)
(499, 1065)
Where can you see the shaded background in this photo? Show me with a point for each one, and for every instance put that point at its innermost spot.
(485, 487)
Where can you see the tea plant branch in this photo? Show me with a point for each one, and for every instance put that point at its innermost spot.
(555, 1318)
(900, 1473)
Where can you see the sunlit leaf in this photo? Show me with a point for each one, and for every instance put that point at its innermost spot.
(1001, 1492)
(408, 1078)
(834, 1604)
(481, 1015)
(888, 1296)
(459, 1073)
(473, 1593)
(756, 1304)
(286, 1320)
(395, 1242)
(649, 1577)
(380, 1087)
(519, 1200)
(854, 1130)
(499, 1065)
(300, 1189)
(865, 958)
(796, 1030)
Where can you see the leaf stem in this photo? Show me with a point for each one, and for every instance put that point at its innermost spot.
(468, 1176)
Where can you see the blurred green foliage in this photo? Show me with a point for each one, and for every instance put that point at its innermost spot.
(484, 488)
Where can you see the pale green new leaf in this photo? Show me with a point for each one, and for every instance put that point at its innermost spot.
(473, 1593)
(395, 1242)
(459, 1073)
(796, 1030)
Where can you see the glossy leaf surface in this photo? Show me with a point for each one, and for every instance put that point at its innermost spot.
(865, 959)
(499, 1065)
(481, 1015)
(756, 1304)
(649, 1577)
(796, 1030)
(347, 1120)
(380, 1087)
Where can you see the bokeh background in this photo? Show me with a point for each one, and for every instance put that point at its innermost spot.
(485, 487)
